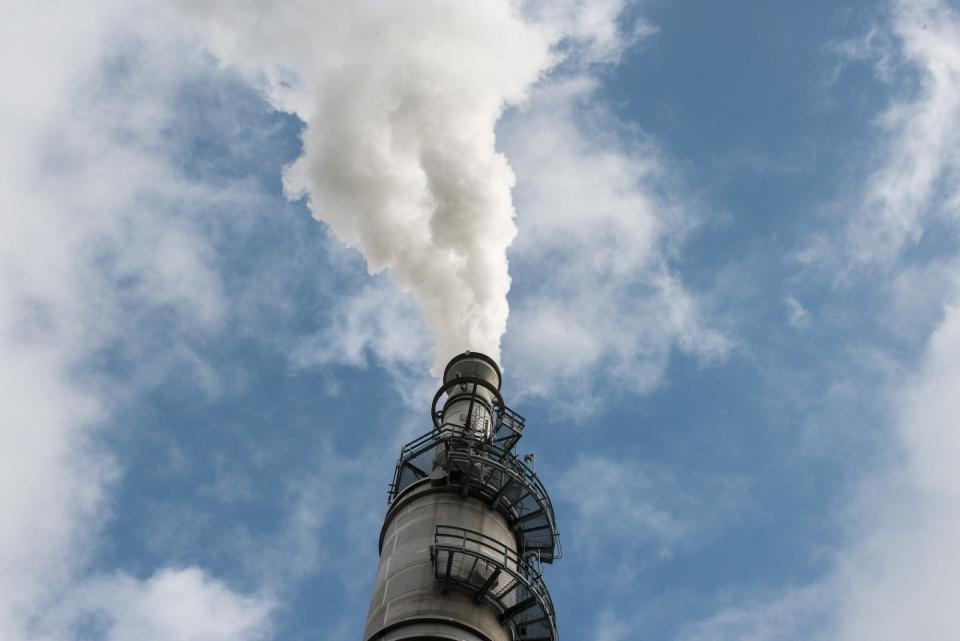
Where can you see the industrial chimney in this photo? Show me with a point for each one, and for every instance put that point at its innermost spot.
(468, 526)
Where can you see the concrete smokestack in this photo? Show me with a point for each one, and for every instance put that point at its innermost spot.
(468, 527)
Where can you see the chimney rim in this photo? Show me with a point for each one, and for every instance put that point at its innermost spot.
(474, 355)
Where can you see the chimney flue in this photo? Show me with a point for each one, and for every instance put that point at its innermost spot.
(468, 525)
(471, 383)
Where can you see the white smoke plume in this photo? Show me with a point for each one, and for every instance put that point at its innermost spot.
(400, 102)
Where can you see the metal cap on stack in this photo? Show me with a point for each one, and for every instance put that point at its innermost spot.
(473, 364)
(470, 404)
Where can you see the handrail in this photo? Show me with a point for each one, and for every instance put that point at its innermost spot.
(458, 540)
(479, 541)
(463, 380)
(450, 435)
(454, 450)
(510, 462)
(454, 437)
(533, 487)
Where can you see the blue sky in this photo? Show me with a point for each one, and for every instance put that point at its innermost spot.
(733, 322)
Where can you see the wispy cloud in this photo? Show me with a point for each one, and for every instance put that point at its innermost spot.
(644, 511)
(915, 183)
(595, 32)
(374, 324)
(904, 556)
(798, 316)
(602, 215)
(896, 568)
(101, 254)
(174, 604)
(792, 615)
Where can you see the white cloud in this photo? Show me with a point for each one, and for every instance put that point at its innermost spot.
(903, 564)
(629, 503)
(801, 614)
(596, 31)
(898, 570)
(896, 573)
(100, 250)
(644, 511)
(300, 545)
(798, 316)
(376, 321)
(601, 215)
(175, 604)
(375, 324)
(917, 181)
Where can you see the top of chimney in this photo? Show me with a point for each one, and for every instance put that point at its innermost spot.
(473, 364)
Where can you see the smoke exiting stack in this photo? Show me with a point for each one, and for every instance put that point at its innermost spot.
(468, 527)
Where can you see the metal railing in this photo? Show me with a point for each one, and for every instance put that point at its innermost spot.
(509, 427)
(492, 473)
(492, 571)
(462, 538)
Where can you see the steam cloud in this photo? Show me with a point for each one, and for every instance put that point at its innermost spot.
(400, 102)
